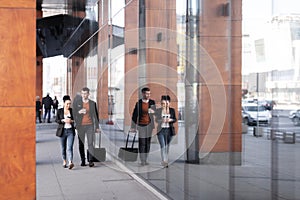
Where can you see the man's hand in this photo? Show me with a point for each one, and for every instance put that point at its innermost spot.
(151, 111)
(82, 111)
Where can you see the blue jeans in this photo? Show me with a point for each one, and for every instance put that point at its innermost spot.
(164, 138)
(67, 141)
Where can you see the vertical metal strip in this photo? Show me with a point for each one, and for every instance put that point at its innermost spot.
(142, 73)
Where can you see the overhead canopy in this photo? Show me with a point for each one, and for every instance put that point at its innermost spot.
(63, 34)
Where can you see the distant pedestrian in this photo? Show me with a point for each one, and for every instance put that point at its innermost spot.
(66, 131)
(87, 123)
(143, 121)
(47, 103)
(165, 117)
(55, 106)
(38, 108)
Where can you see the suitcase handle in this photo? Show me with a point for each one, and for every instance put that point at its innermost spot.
(99, 135)
(132, 145)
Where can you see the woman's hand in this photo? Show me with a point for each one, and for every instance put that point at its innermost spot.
(167, 120)
(68, 120)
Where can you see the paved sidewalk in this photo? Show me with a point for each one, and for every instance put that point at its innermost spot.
(270, 170)
(107, 180)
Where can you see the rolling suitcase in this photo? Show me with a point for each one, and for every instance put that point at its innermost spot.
(99, 153)
(129, 153)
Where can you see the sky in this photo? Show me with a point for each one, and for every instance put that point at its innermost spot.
(257, 12)
(255, 15)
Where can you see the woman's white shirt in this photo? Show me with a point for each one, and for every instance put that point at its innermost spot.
(67, 125)
(165, 124)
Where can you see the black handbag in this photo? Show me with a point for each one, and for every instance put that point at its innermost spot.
(129, 153)
(99, 153)
(59, 130)
(172, 131)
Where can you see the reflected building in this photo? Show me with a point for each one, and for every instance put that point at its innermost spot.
(189, 50)
(276, 53)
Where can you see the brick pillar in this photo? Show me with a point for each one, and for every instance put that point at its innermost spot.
(17, 107)
(161, 51)
(221, 39)
(131, 60)
(160, 70)
(39, 67)
(78, 79)
(39, 76)
(102, 94)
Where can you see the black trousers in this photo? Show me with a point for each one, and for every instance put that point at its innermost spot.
(38, 115)
(145, 134)
(47, 113)
(88, 131)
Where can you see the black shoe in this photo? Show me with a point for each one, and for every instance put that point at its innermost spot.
(91, 164)
(82, 164)
(65, 166)
(49, 122)
(143, 163)
(71, 166)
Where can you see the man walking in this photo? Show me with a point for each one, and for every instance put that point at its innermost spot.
(47, 102)
(87, 123)
(142, 120)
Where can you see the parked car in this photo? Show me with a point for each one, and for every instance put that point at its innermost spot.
(269, 104)
(245, 117)
(295, 117)
(253, 113)
(292, 113)
(249, 100)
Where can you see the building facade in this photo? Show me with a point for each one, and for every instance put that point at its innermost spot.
(115, 49)
(274, 57)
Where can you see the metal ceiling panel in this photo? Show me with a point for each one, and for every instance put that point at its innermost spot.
(63, 34)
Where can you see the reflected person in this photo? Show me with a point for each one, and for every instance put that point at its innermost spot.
(143, 121)
(165, 117)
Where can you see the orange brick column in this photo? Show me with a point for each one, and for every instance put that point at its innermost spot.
(159, 71)
(221, 38)
(103, 36)
(39, 76)
(77, 78)
(17, 105)
(131, 59)
(39, 68)
(78, 74)
(161, 50)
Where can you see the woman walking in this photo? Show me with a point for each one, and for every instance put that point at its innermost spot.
(66, 131)
(165, 117)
